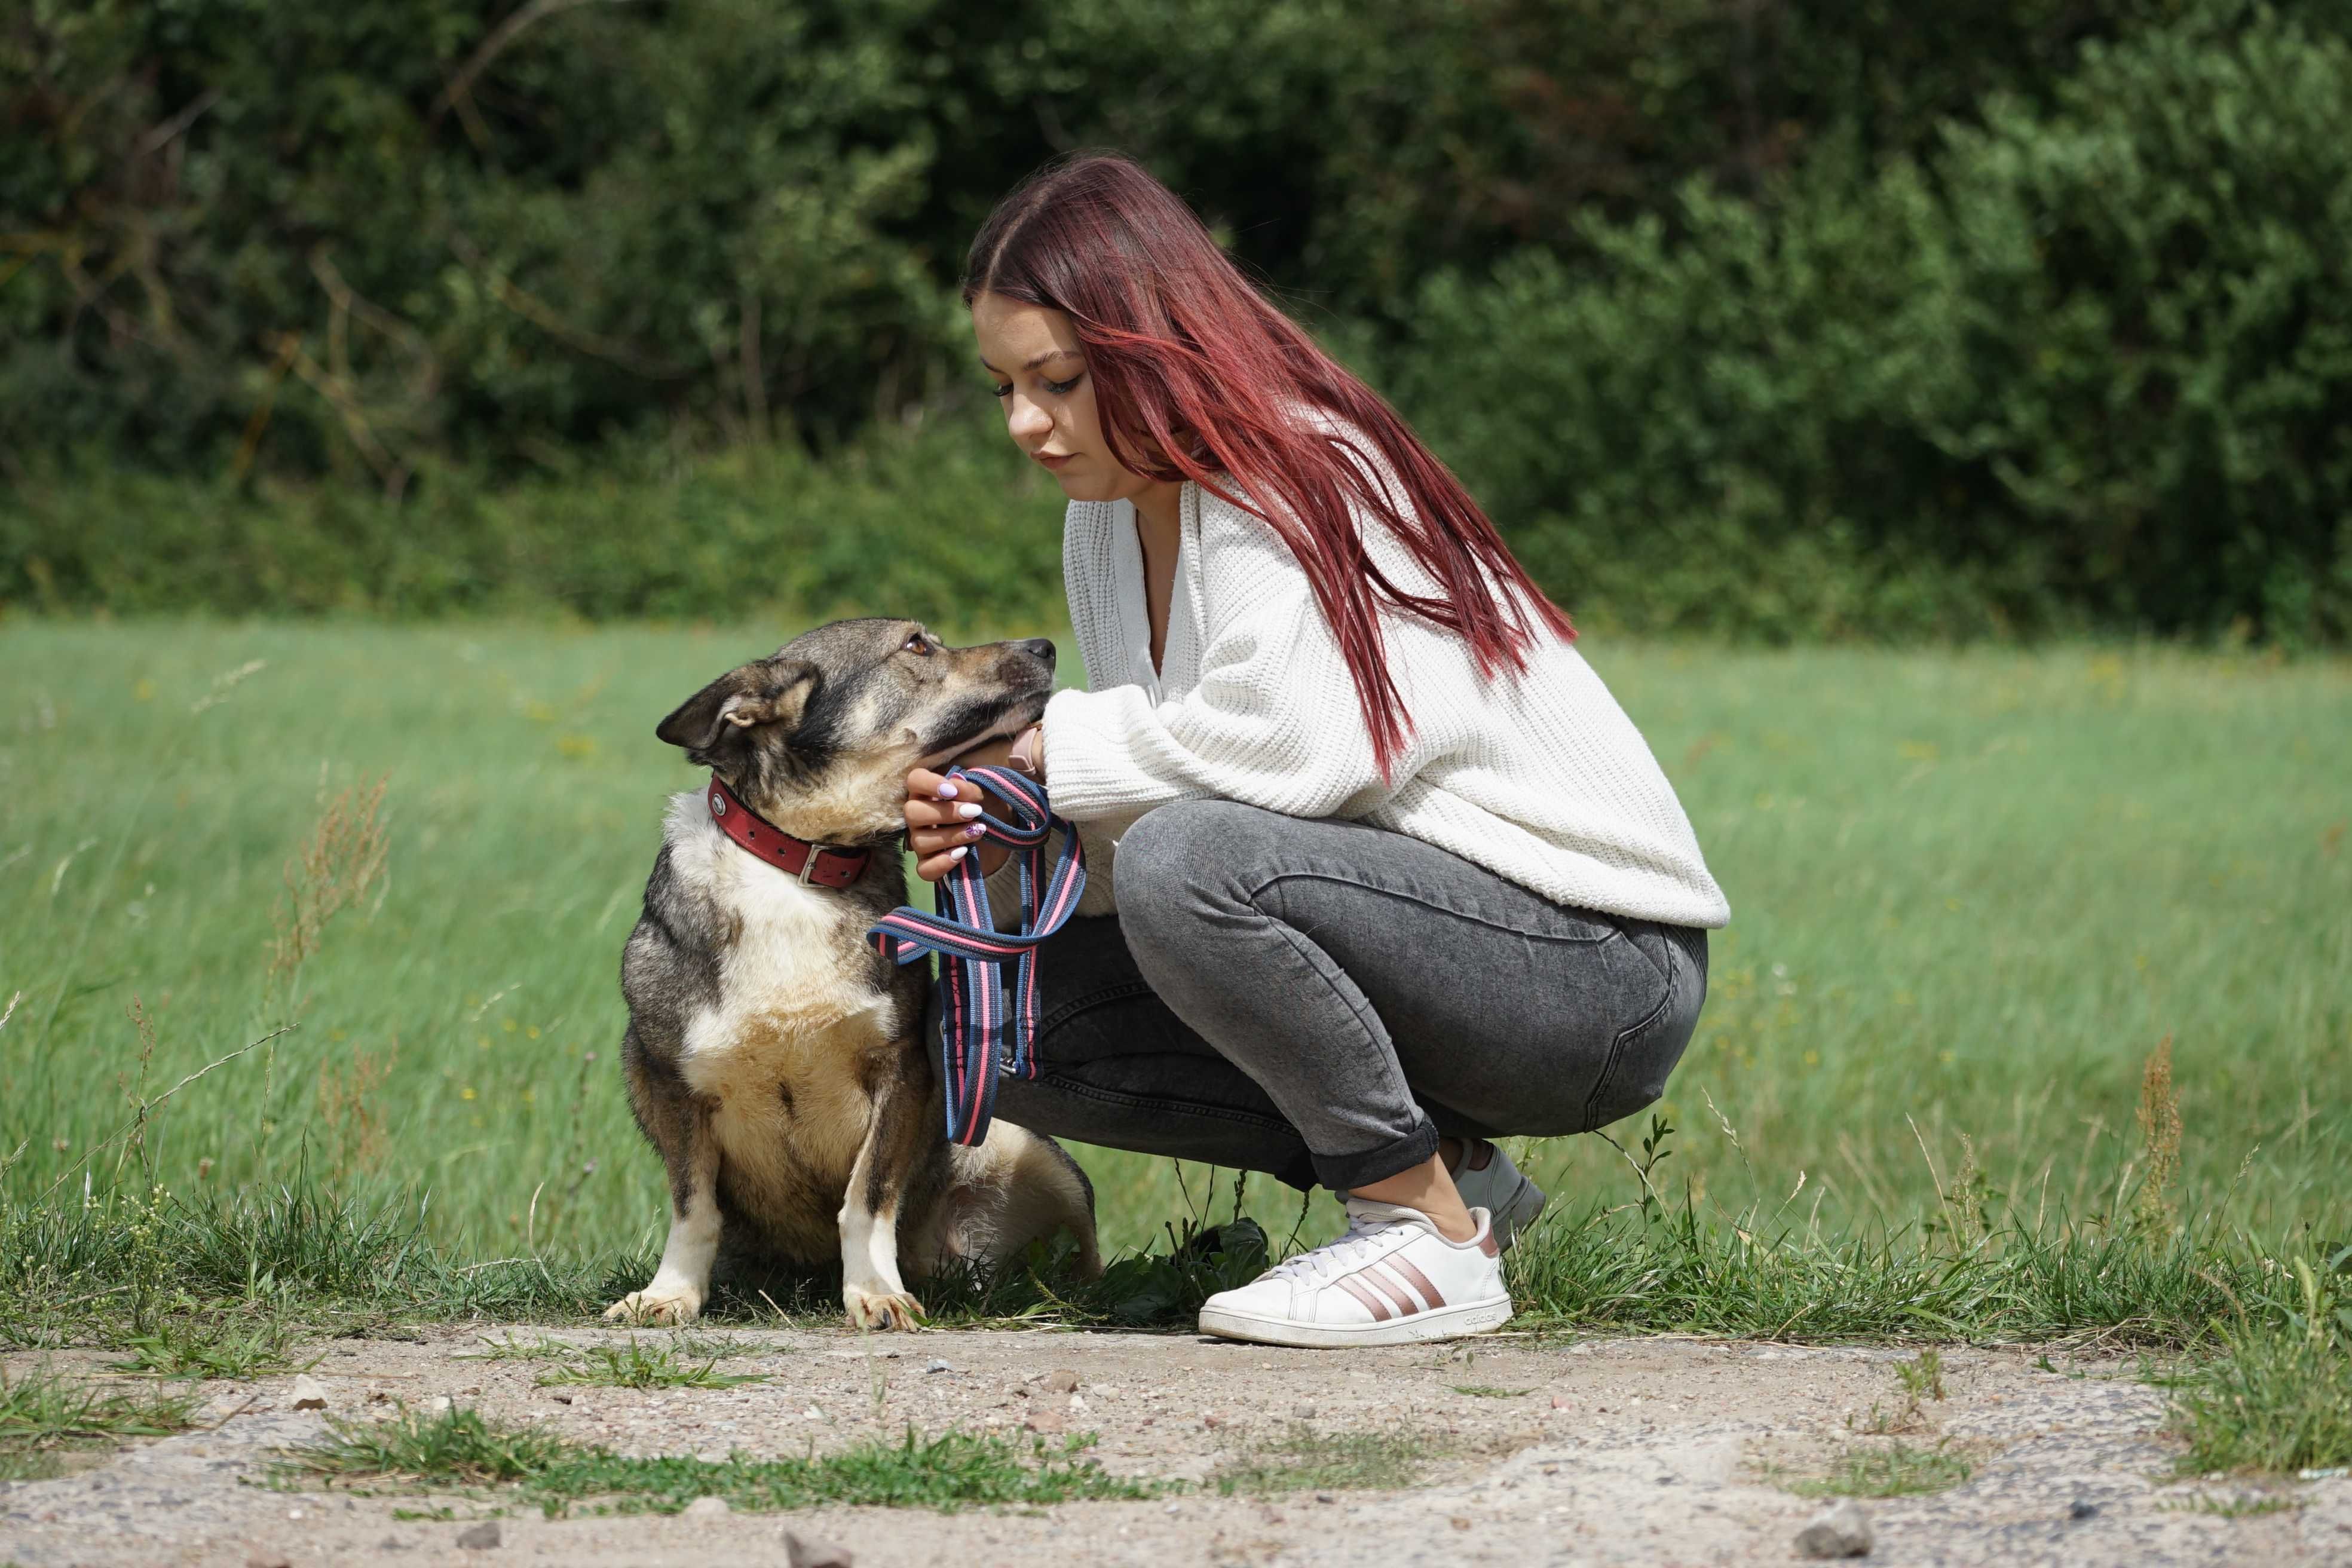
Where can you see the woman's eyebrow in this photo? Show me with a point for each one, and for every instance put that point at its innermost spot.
(1034, 363)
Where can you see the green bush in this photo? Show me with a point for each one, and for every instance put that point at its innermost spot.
(948, 524)
(2091, 362)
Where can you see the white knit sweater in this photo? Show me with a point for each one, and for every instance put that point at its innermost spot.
(1538, 776)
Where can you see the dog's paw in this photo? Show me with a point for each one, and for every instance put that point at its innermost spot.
(668, 1307)
(880, 1309)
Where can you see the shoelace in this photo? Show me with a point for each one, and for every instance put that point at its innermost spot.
(1335, 1258)
(972, 954)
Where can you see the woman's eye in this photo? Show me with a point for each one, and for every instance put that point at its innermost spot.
(1006, 390)
(1062, 388)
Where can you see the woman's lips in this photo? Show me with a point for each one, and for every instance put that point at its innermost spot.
(1052, 461)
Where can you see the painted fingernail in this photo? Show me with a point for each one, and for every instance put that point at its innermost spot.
(973, 831)
(948, 790)
(969, 810)
(958, 852)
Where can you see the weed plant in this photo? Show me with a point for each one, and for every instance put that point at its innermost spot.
(1304, 1459)
(632, 1365)
(459, 1449)
(46, 1417)
(1892, 1470)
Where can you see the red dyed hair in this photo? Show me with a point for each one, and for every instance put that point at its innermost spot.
(1193, 369)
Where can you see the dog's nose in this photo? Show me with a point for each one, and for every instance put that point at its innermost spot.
(1043, 648)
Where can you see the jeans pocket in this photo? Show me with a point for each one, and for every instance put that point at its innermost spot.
(1644, 1054)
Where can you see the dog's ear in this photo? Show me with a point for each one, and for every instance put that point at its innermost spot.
(767, 693)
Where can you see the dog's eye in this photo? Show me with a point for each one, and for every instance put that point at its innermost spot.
(919, 644)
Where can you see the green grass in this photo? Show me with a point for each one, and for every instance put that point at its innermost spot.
(1304, 1459)
(459, 1449)
(46, 1418)
(194, 1346)
(632, 1365)
(1894, 1469)
(1972, 892)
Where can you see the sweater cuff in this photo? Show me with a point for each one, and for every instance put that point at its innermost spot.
(1093, 768)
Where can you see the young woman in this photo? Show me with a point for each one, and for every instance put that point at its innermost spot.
(1378, 871)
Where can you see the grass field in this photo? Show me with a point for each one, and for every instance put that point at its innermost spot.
(1972, 893)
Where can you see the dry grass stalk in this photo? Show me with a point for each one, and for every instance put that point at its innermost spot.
(351, 1106)
(2159, 1131)
(344, 857)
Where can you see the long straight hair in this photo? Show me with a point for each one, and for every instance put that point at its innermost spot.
(1195, 376)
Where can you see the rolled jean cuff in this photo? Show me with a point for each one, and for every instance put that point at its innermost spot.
(1345, 1172)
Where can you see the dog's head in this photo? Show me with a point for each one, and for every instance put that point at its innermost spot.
(818, 738)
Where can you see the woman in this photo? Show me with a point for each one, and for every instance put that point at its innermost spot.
(1378, 870)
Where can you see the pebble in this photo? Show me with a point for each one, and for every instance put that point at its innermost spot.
(2082, 1510)
(481, 1537)
(1839, 1531)
(937, 1364)
(1048, 1421)
(309, 1393)
(438, 1404)
(808, 1552)
(1303, 1412)
(1061, 1380)
(706, 1507)
(259, 1558)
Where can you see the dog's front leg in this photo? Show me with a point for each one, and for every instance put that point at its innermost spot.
(680, 1122)
(896, 1141)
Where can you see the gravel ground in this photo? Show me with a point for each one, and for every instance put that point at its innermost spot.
(1627, 1451)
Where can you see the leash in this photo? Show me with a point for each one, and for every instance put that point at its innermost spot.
(973, 954)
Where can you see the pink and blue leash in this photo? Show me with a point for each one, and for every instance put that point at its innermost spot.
(974, 955)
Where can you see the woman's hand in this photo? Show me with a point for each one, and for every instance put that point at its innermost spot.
(940, 811)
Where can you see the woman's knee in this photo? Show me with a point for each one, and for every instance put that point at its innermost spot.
(1186, 860)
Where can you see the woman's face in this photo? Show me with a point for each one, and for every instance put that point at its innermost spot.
(1039, 370)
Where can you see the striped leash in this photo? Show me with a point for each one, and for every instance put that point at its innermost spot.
(973, 954)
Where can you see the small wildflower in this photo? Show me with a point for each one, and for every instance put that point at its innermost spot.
(465, 1093)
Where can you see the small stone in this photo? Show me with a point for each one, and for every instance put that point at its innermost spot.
(1561, 1402)
(309, 1393)
(1839, 1531)
(1078, 1406)
(1061, 1380)
(1303, 1412)
(711, 1456)
(561, 1398)
(439, 1404)
(1458, 1522)
(258, 1558)
(938, 1364)
(1324, 1496)
(706, 1507)
(1212, 1420)
(808, 1552)
(2080, 1508)
(392, 1543)
(1047, 1421)
(481, 1537)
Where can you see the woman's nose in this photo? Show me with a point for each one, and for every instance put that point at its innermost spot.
(1029, 423)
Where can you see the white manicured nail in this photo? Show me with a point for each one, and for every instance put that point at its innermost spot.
(958, 852)
(948, 790)
(969, 810)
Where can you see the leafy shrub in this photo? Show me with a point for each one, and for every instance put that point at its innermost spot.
(2087, 362)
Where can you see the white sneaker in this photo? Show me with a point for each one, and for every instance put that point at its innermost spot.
(1499, 1189)
(1391, 1279)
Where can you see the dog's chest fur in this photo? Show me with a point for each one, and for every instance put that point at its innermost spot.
(798, 1036)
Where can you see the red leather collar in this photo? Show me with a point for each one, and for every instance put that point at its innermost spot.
(794, 857)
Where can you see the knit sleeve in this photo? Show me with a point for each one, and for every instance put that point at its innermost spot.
(1273, 719)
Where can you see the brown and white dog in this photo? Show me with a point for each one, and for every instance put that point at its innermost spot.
(772, 1056)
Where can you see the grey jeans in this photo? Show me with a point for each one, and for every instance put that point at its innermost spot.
(1320, 1000)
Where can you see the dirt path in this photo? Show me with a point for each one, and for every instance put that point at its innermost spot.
(1631, 1451)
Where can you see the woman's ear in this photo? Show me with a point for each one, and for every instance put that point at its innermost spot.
(763, 693)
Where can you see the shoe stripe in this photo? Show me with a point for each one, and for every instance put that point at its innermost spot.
(1487, 1242)
(1405, 1304)
(1381, 1314)
(1417, 1279)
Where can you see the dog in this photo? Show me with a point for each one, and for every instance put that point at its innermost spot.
(775, 1059)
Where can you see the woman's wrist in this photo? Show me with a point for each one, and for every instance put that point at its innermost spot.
(1028, 753)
